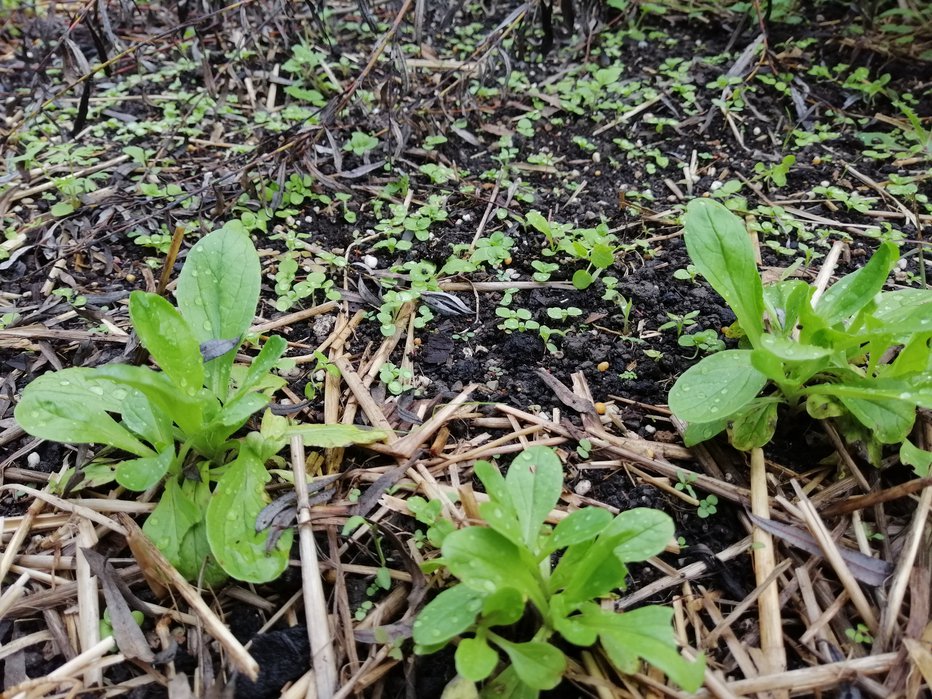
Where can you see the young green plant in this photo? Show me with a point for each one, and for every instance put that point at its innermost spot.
(856, 354)
(179, 422)
(512, 562)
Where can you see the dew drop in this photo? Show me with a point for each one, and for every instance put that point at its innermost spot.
(119, 394)
(65, 382)
(906, 396)
(96, 390)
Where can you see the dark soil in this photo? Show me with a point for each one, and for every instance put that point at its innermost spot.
(91, 255)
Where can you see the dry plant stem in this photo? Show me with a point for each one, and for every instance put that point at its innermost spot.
(363, 397)
(833, 556)
(693, 570)
(64, 673)
(803, 682)
(771, 622)
(405, 447)
(168, 576)
(25, 525)
(88, 602)
(861, 502)
(916, 535)
(323, 657)
(828, 269)
(295, 317)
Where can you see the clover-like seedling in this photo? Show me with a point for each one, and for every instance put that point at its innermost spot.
(509, 566)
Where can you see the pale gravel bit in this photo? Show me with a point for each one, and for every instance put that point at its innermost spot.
(322, 327)
(583, 487)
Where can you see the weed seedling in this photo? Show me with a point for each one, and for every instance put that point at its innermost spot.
(509, 566)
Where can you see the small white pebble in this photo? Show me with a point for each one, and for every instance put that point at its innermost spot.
(715, 185)
(824, 183)
(583, 487)
(650, 430)
(596, 157)
(370, 261)
(33, 459)
(756, 131)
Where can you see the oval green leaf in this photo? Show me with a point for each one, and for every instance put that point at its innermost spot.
(716, 387)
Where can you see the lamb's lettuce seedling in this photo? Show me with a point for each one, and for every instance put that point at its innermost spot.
(509, 564)
(179, 422)
(857, 354)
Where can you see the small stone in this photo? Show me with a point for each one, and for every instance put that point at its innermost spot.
(370, 261)
(33, 460)
(600, 408)
(602, 366)
(130, 277)
(583, 487)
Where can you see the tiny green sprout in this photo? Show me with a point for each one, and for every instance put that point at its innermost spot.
(679, 322)
(438, 174)
(686, 274)
(656, 355)
(560, 313)
(684, 484)
(707, 507)
(431, 142)
(584, 448)
(543, 270)
(859, 634)
(703, 341)
(397, 380)
(361, 143)
(776, 174)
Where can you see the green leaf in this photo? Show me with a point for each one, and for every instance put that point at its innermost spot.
(716, 387)
(143, 419)
(789, 351)
(263, 364)
(581, 525)
(644, 633)
(754, 425)
(448, 615)
(485, 560)
(582, 279)
(499, 512)
(502, 608)
(539, 665)
(507, 685)
(534, 483)
(721, 250)
(231, 523)
(185, 411)
(143, 473)
(171, 519)
(854, 291)
(218, 290)
(61, 208)
(697, 432)
(587, 571)
(168, 338)
(333, 436)
(919, 459)
(890, 420)
(73, 405)
(602, 255)
(475, 659)
(639, 533)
